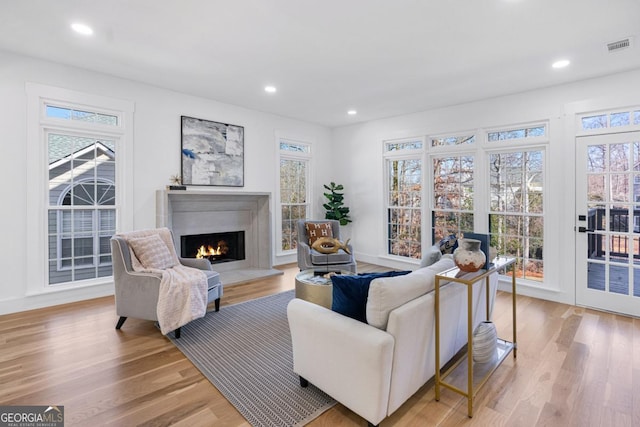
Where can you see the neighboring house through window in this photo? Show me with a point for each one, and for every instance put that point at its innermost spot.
(81, 199)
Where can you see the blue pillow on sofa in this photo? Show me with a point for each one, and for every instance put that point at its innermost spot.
(350, 293)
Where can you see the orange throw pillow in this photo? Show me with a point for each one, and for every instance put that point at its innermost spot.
(317, 230)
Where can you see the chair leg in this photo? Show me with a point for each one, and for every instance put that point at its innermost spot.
(176, 333)
(120, 322)
(303, 382)
(217, 304)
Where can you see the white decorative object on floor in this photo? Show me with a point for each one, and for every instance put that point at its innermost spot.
(484, 342)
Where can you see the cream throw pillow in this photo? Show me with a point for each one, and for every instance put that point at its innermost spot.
(152, 252)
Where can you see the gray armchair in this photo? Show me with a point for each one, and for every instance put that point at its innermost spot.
(310, 259)
(137, 292)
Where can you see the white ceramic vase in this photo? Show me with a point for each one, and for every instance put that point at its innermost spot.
(468, 256)
(485, 342)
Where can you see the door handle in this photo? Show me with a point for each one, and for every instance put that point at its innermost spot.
(585, 229)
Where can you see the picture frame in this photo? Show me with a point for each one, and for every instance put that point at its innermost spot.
(212, 153)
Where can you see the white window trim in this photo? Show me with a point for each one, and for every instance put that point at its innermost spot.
(414, 153)
(293, 155)
(578, 116)
(539, 145)
(38, 96)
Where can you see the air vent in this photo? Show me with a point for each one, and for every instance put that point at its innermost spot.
(619, 45)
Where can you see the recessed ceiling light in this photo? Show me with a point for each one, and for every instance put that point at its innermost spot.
(561, 63)
(352, 112)
(270, 89)
(82, 29)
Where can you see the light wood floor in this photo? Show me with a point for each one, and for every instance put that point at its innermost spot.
(575, 367)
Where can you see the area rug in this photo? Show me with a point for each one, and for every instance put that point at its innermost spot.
(245, 351)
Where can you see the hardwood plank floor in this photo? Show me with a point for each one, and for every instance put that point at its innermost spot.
(575, 367)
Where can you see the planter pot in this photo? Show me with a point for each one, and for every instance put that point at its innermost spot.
(468, 257)
(485, 342)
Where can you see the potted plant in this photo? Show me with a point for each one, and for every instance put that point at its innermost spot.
(334, 207)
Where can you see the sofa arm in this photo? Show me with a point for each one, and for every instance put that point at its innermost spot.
(347, 359)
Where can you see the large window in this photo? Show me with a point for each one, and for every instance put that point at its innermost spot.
(403, 164)
(295, 160)
(516, 210)
(496, 187)
(77, 185)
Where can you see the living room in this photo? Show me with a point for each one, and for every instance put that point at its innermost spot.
(349, 152)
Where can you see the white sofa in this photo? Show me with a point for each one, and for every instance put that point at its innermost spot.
(373, 368)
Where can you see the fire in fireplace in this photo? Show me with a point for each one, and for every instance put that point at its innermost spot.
(216, 247)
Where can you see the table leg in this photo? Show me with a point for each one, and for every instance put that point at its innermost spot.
(437, 327)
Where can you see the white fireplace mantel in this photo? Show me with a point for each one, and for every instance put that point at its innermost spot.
(202, 212)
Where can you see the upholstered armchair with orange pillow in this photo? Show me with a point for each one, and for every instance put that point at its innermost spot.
(310, 259)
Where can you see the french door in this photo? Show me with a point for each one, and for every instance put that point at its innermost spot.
(608, 222)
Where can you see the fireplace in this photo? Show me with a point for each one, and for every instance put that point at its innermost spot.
(197, 212)
(216, 247)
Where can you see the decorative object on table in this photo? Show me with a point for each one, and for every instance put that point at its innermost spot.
(448, 244)
(485, 342)
(468, 256)
(484, 245)
(329, 245)
(212, 153)
(334, 207)
(176, 183)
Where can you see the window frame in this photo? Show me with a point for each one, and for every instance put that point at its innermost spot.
(39, 125)
(307, 158)
(519, 145)
(403, 154)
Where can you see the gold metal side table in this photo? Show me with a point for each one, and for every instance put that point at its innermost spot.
(476, 373)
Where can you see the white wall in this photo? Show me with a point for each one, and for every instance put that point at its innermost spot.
(156, 156)
(360, 165)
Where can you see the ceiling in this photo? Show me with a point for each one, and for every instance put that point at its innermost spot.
(382, 58)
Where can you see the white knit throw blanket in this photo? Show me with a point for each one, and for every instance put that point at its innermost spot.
(182, 296)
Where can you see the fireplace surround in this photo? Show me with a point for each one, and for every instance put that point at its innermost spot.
(196, 212)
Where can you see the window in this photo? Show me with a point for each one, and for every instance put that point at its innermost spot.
(77, 185)
(295, 158)
(610, 119)
(516, 215)
(403, 165)
(453, 140)
(453, 180)
(82, 203)
(528, 132)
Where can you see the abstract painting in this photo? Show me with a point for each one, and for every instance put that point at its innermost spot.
(212, 153)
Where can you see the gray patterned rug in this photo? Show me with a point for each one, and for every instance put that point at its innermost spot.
(245, 351)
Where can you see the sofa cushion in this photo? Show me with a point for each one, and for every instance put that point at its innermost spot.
(431, 256)
(448, 244)
(316, 230)
(152, 252)
(389, 293)
(350, 292)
